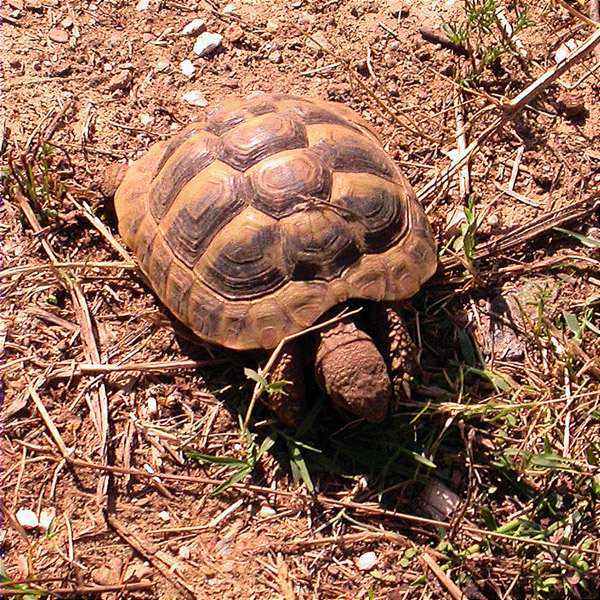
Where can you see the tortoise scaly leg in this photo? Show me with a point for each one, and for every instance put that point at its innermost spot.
(288, 404)
(398, 348)
(351, 370)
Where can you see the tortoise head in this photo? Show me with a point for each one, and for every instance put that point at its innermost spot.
(112, 178)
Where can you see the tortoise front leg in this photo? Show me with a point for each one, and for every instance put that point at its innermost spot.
(288, 404)
(351, 370)
(397, 347)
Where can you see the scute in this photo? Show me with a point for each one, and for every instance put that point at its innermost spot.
(319, 243)
(287, 179)
(206, 204)
(255, 139)
(344, 149)
(252, 223)
(376, 207)
(191, 156)
(245, 260)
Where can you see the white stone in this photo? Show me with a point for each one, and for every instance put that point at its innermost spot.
(193, 26)
(184, 552)
(151, 404)
(146, 119)
(207, 43)
(187, 67)
(195, 98)
(46, 517)
(564, 50)
(27, 518)
(266, 511)
(230, 8)
(366, 561)
(142, 5)
(162, 65)
(164, 515)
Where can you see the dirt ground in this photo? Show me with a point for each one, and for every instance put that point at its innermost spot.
(484, 484)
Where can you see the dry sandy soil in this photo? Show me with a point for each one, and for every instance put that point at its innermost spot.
(503, 421)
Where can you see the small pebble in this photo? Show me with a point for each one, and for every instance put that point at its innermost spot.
(317, 42)
(146, 119)
(184, 552)
(193, 27)
(58, 35)
(455, 218)
(266, 511)
(46, 517)
(366, 561)
(27, 518)
(493, 220)
(151, 404)
(142, 5)
(119, 81)
(234, 33)
(187, 67)
(272, 26)
(564, 50)
(67, 22)
(164, 515)
(207, 43)
(571, 104)
(230, 9)
(275, 57)
(195, 98)
(162, 65)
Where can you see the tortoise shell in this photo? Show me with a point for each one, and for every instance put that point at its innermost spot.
(254, 222)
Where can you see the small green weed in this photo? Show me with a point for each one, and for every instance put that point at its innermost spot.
(20, 590)
(36, 178)
(481, 32)
(242, 468)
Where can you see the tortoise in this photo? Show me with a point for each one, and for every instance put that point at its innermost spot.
(256, 222)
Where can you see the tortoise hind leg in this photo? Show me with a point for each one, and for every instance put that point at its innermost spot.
(288, 404)
(398, 349)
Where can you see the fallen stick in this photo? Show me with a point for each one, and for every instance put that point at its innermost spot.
(595, 16)
(54, 433)
(529, 231)
(99, 409)
(78, 591)
(464, 178)
(145, 549)
(76, 370)
(450, 586)
(437, 36)
(550, 76)
(65, 265)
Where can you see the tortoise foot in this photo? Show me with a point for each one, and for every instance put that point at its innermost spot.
(398, 348)
(351, 370)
